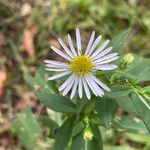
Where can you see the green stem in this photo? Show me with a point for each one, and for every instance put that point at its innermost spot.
(86, 145)
(126, 74)
(58, 118)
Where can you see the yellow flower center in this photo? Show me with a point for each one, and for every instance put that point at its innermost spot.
(81, 65)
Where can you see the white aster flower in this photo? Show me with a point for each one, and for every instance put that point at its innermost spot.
(81, 64)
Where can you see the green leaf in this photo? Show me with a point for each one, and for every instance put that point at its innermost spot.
(118, 91)
(143, 108)
(80, 104)
(146, 88)
(105, 108)
(56, 102)
(40, 82)
(78, 128)
(95, 119)
(26, 127)
(144, 75)
(119, 148)
(89, 107)
(138, 65)
(63, 135)
(126, 103)
(134, 125)
(139, 138)
(78, 142)
(96, 143)
(118, 41)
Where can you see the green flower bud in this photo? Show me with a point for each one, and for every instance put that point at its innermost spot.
(88, 135)
(128, 59)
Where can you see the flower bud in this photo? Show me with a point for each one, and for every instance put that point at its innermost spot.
(88, 135)
(128, 59)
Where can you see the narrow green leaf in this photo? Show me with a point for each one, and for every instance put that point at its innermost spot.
(126, 104)
(95, 119)
(63, 135)
(40, 82)
(78, 142)
(78, 128)
(134, 125)
(118, 41)
(105, 108)
(146, 88)
(144, 75)
(26, 127)
(56, 102)
(143, 108)
(89, 107)
(118, 91)
(119, 148)
(139, 138)
(138, 65)
(96, 143)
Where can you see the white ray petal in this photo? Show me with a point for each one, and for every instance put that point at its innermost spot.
(106, 67)
(80, 87)
(94, 45)
(56, 50)
(58, 63)
(106, 51)
(100, 48)
(71, 45)
(90, 42)
(90, 85)
(66, 82)
(95, 85)
(59, 75)
(56, 69)
(104, 86)
(65, 47)
(56, 66)
(108, 60)
(74, 89)
(78, 40)
(68, 87)
(109, 56)
(86, 89)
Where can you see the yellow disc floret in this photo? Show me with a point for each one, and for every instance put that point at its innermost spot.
(81, 65)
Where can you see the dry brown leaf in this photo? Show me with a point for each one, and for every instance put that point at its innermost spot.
(55, 43)
(27, 44)
(2, 39)
(25, 9)
(27, 99)
(3, 76)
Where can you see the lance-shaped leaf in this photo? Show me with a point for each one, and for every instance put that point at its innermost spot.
(78, 142)
(143, 108)
(118, 41)
(126, 103)
(139, 68)
(96, 143)
(40, 82)
(129, 124)
(63, 134)
(56, 102)
(78, 128)
(105, 108)
(144, 75)
(118, 91)
(27, 129)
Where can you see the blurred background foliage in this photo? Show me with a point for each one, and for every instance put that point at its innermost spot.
(28, 28)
